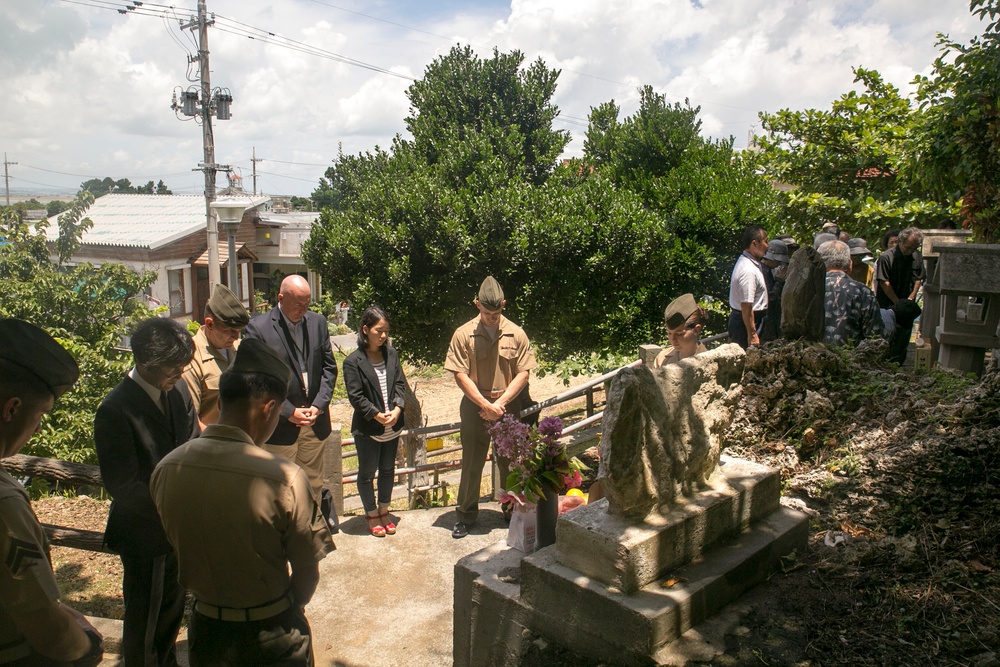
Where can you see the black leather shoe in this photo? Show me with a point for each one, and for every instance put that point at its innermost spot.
(459, 531)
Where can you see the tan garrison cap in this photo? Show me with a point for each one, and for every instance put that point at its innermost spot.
(679, 310)
(227, 309)
(34, 350)
(491, 294)
(255, 356)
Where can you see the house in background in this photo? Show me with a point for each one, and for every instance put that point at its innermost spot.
(167, 234)
(279, 249)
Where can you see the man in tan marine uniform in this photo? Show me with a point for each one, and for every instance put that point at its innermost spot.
(491, 359)
(36, 629)
(235, 560)
(214, 348)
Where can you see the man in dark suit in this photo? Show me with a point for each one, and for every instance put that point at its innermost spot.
(142, 420)
(301, 339)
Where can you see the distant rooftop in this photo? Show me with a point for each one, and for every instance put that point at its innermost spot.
(143, 221)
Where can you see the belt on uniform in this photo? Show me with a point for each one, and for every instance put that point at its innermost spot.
(259, 613)
(15, 652)
(489, 393)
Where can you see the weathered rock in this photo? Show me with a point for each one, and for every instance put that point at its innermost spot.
(802, 310)
(663, 429)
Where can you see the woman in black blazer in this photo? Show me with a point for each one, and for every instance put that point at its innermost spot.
(376, 389)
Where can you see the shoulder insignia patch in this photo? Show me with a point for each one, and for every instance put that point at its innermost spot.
(20, 553)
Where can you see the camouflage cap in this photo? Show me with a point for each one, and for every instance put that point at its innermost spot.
(227, 309)
(255, 356)
(33, 349)
(491, 294)
(679, 310)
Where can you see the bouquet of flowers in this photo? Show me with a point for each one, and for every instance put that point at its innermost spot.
(538, 460)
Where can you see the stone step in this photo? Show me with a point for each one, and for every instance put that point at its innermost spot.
(628, 555)
(598, 621)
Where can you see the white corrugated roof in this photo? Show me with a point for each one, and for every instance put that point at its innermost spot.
(142, 221)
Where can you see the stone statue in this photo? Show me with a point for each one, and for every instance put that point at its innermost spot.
(662, 429)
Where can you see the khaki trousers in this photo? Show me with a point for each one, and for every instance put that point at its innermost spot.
(307, 452)
(475, 446)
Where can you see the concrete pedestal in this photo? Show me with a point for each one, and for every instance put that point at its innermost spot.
(645, 584)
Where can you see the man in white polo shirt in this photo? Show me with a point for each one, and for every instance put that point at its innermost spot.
(747, 290)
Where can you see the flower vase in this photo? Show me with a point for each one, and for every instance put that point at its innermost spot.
(547, 513)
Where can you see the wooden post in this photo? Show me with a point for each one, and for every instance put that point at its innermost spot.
(333, 467)
(590, 402)
(414, 446)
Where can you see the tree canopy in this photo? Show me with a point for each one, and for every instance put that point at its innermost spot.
(588, 252)
(103, 186)
(87, 308)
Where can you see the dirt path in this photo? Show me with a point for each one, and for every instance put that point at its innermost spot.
(439, 397)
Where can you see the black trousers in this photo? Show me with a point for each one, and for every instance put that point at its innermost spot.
(283, 640)
(154, 607)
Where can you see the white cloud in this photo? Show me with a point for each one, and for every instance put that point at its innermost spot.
(88, 91)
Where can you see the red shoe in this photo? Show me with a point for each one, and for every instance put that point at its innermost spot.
(375, 525)
(387, 524)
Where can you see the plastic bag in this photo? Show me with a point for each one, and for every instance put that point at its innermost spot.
(523, 522)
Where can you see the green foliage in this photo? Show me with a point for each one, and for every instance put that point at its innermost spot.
(850, 164)
(957, 135)
(87, 308)
(588, 253)
(103, 186)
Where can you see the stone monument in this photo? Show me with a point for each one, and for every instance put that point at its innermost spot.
(682, 532)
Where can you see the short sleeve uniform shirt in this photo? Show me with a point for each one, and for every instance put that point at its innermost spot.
(237, 516)
(491, 363)
(27, 583)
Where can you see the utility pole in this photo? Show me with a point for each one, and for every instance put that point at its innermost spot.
(208, 143)
(6, 176)
(254, 160)
(203, 109)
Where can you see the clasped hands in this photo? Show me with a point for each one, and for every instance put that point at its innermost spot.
(492, 412)
(305, 416)
(387, 419)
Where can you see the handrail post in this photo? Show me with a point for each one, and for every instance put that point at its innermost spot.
(333, 468)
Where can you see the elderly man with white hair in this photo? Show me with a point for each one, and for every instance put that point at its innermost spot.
(852, 313)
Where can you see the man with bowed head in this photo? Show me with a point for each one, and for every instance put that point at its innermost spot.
(214, 348)
(235, 559)
(851, 312)
(491, 359)
(36, 629)
(144, 418)
(301, 339)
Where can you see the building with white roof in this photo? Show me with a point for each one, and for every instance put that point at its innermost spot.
(167, 234)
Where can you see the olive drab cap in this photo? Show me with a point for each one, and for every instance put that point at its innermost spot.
(679, 310)
(255, 356)
(37, 352)
(227, 309)
(491, 294)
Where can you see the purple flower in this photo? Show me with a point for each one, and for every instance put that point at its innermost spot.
(550, 426)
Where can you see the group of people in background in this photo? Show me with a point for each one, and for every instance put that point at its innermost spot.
(864, 297)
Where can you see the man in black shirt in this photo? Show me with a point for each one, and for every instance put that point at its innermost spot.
(899, 273)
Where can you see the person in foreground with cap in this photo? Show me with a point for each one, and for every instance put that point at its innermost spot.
(852, 314)
(491, 359)
(684, 320)
(35, 627)
(248, 609)
(774, 266)
(214, 347)
(144, 418)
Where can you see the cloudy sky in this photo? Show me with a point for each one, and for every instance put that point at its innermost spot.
(87, 90)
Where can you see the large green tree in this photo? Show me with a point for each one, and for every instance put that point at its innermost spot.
(848, 164)
(87, 308)
(956, 139)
